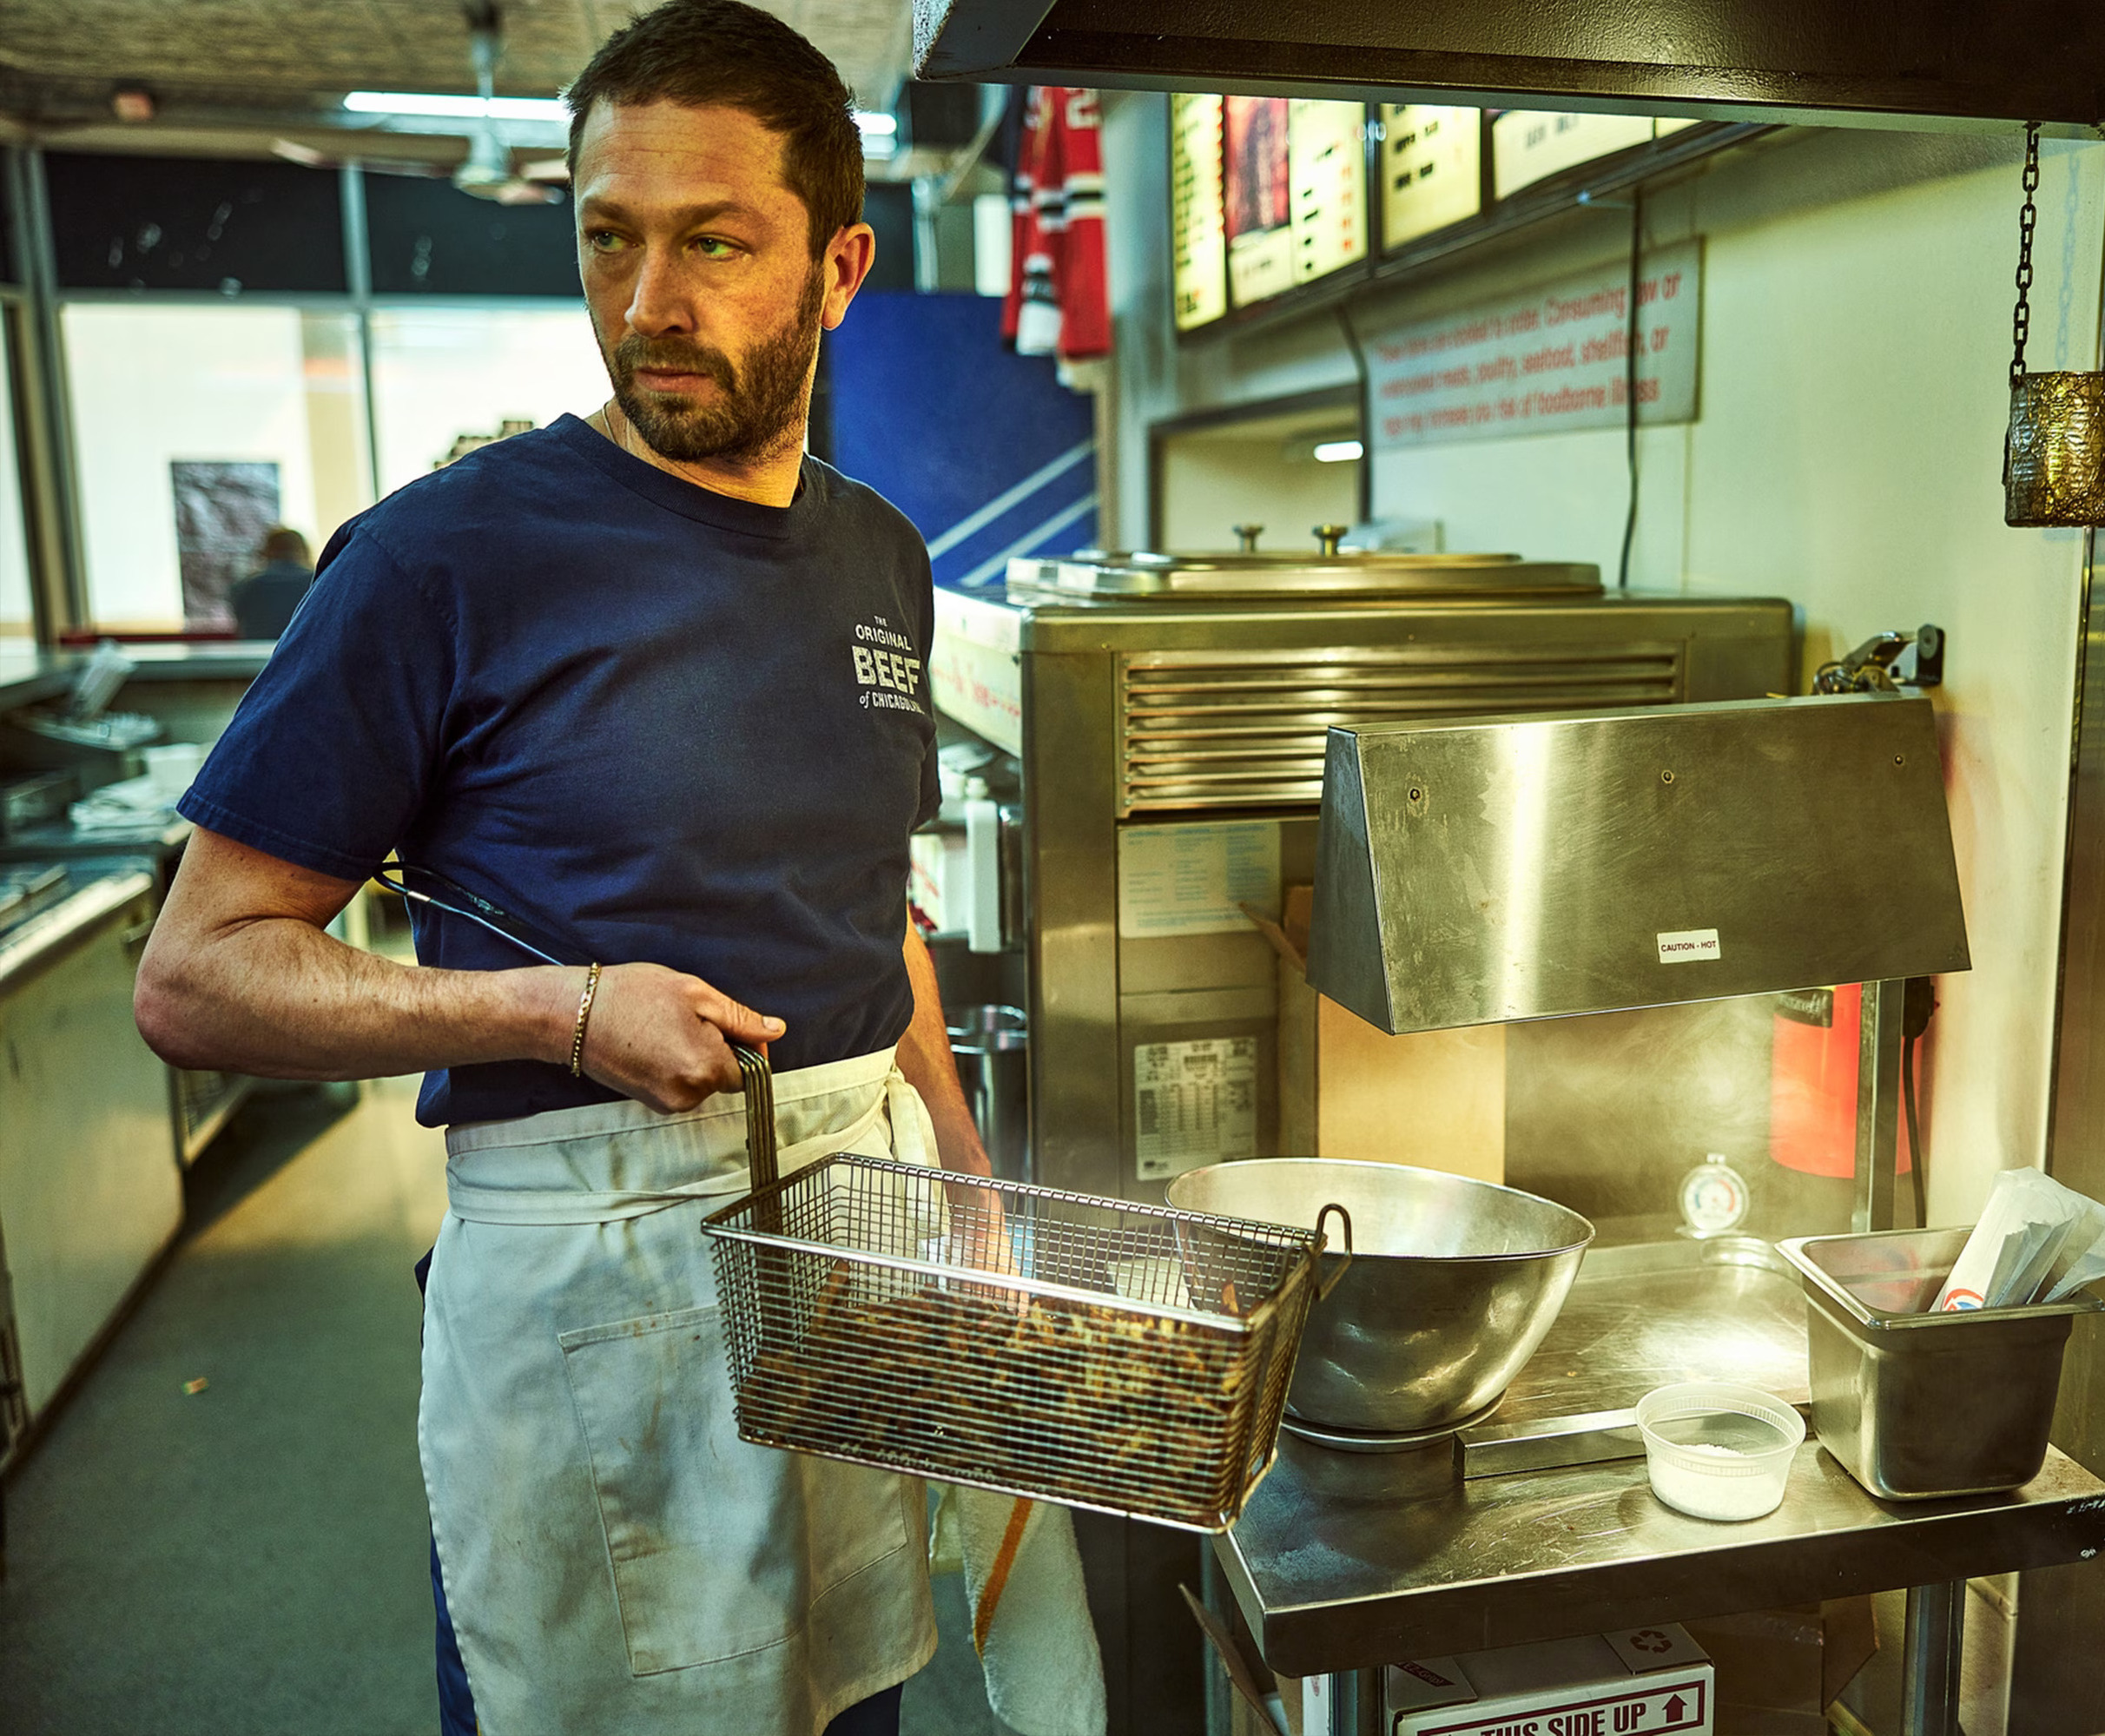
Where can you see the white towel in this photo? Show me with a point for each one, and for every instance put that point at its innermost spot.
(1023, 1583)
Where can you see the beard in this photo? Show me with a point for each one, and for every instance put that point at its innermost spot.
(759, 409)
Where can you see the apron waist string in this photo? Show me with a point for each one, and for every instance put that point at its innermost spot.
(547, 1206)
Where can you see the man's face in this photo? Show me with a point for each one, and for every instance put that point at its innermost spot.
(697, 268)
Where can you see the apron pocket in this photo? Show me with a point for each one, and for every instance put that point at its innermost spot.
(709, 1537)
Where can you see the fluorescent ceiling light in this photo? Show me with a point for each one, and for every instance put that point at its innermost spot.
(457, 108)
(1338, 452)
(883, 125)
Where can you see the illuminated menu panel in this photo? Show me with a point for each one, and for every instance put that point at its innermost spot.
(1327, 161)
(1528, 144)
(1259, 197)
(1198, 257)
(1432, 169)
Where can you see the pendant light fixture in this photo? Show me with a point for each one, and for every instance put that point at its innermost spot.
(2054, 456)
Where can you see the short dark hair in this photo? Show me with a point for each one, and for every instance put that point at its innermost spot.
(703, 52)
(283, 544)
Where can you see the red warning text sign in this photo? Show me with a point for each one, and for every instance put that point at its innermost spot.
(1551, 358)
(1654, 1710)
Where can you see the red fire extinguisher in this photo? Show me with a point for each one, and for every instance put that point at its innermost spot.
(1812, 1097)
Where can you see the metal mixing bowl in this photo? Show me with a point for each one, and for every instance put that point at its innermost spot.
(1453, 1285)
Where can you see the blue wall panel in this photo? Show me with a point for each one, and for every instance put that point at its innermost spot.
(986, 452)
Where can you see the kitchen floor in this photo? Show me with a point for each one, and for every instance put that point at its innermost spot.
(251, 1557)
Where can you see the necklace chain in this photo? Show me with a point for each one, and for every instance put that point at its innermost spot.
(2020, 321)
(621, 438)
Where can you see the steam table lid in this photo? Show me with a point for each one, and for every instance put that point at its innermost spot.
(1101, 574)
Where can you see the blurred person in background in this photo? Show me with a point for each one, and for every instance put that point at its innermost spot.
(263, 603)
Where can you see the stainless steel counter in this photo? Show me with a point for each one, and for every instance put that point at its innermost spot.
(1342, 1562)
(29, 947)
(28, 674)
(159, 840)
(89, 1191)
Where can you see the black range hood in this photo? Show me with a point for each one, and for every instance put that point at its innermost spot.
(1944, 62)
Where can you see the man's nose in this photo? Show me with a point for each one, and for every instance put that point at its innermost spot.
(659, 303)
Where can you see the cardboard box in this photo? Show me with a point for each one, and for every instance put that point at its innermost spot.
(1436, 1098)
(1639, 1682)
(1780, 1670)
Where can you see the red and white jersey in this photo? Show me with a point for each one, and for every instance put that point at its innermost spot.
(1085, 329)
(1023, 224)
(1058, 302)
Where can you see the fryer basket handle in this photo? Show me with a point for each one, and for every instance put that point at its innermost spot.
(759, 1080)
(1324, 1286)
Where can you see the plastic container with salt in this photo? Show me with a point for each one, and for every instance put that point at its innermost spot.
(1715, 1451)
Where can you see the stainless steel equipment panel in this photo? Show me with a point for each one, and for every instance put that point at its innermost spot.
(1209, 729)
(1110, 745)
(1520, 868)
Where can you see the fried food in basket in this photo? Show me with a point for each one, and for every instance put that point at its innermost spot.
(1096, 1401)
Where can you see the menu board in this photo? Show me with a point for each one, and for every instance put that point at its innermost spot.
(1327, 161)
(1266, 193)
(1432, 169)
(1528, 144)
(1259, 197)
(1198, 257)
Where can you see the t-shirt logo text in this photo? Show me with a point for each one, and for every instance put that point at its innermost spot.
(883, 667)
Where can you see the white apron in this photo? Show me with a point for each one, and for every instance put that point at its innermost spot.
(616, 1560)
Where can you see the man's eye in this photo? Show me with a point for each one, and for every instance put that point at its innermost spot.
(603, 241)
(711, 248)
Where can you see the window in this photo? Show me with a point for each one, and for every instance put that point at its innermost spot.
(443, 374)
(428, 238)
(16, 612)
(196, 427)
(146, 222)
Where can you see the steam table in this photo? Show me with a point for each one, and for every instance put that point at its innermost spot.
(1344, 1562)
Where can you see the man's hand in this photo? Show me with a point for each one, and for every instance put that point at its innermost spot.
(662, 1038)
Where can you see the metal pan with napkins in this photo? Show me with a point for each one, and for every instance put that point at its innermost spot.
(1918, 1405)
(1130, 1358)
(1454, 1284)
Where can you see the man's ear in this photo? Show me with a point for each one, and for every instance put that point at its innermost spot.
(846, 262)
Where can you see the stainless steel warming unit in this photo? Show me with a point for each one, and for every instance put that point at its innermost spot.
(1169, 714)
(1169, 717)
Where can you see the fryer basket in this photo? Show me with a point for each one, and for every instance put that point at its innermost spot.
(1094, 1352)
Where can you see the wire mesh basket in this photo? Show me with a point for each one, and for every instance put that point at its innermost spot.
(1130, 1358)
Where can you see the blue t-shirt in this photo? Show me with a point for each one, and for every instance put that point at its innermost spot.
(652, 722)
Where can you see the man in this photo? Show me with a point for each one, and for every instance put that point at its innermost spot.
(650, 682)
(263, 603)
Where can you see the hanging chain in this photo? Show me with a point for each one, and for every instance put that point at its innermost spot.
(2020, 321)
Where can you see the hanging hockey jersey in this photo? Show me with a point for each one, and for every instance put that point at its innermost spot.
(1058, 302)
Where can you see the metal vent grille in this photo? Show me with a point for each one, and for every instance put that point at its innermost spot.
(1202, 729)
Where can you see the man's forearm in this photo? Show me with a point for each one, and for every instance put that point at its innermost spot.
(240, 973)
(281, 998)
(925, 1059)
